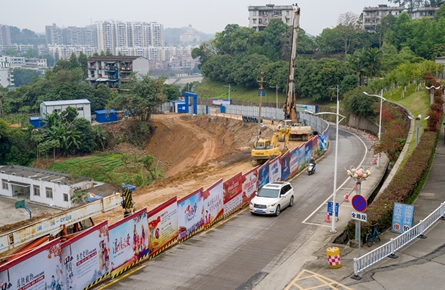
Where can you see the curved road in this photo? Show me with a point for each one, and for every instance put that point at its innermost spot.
(240, 252)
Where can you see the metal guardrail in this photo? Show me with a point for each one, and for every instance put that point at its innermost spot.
(389, 249)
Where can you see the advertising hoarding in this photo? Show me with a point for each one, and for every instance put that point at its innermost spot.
(190, 215)
(86, 257)
(213, 204)
(41, 268)
(163, 227)
(128, 242)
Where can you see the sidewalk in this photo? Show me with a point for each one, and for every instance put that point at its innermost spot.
(420, 264)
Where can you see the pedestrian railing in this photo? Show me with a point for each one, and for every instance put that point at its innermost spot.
(389, 249)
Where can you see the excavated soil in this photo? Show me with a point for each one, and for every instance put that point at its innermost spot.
(197, 151)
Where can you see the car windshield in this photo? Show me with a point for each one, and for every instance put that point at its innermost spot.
(268, 192)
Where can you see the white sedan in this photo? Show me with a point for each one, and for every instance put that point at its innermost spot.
(272, 198)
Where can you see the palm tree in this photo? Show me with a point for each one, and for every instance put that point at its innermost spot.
(373, 58)
(357, 62)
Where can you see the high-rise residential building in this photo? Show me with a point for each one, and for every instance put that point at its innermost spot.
(260, 16)
(5, 35)
(113, 34)
(156, 35)
(73, 35)
(53, 34)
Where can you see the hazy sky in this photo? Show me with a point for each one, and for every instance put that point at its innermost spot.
(208, 16)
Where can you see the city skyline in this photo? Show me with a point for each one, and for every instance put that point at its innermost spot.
(205, 16)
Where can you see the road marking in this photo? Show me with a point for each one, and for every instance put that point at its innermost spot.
(122, 277)
(340, 187)
(310, 280)
(220, 223)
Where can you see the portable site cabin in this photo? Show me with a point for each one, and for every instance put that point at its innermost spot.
(178, 106)
(83, 107)
(105, 116)
(36, 122)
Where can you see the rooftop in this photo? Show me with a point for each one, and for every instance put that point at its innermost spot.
(67, 102)
(38, 174)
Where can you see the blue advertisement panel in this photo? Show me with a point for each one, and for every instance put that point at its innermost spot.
(275, 169)
(294, 162)
(285, 165)
(402, 217)
(128, 241)
(301, 157)
(263, 175)
(308, 152)
(190, 215)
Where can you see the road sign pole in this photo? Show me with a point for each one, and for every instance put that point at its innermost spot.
(359, 240)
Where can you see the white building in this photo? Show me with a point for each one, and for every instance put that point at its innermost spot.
(112, 34)
(51, 188)
(260, 16)
(6, 75)
(65, 51)
(82, 106)
(113, 70)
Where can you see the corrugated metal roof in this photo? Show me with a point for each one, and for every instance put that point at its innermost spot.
(105, 111)
(66, 102)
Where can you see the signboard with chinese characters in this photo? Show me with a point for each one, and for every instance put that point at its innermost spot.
(402, 217)
(359, 216)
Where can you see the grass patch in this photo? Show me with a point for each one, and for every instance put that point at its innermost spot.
(113, 168)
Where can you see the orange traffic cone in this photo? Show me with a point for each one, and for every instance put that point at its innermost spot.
(328, 217)
(364, 132)
(346, 197)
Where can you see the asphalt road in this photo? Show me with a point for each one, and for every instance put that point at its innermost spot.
(241, 251)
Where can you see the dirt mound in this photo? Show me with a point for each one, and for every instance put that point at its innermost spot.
(198, 151)
(182, 142)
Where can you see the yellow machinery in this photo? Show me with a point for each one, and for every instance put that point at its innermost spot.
(269, 148)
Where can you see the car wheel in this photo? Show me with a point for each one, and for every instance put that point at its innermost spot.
(278, 210)
(291, 202)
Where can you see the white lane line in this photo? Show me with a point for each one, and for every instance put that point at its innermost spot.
(330, 197)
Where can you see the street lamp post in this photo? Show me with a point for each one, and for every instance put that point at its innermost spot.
(276, 99)
(380, 119)
(261, 100)
(229, 92)
(431, 89)
(334, 194)
(418, 120)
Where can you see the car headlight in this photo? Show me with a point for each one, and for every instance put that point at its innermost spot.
(272, 205)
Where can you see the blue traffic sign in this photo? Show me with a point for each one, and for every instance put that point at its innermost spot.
(330, 208)
(359, 203)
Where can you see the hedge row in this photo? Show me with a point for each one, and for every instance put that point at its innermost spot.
(408, 181)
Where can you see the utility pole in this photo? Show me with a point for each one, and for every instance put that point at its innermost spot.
(261, 99)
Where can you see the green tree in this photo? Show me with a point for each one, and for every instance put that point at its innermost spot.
(144, 96)
(24, 76)
(204, 52)
(11, 52)
(31, 53)
(49, 59)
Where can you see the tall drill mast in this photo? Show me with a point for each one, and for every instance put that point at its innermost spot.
(290, 111)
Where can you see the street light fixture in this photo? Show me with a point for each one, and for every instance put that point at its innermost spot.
(229, 92)
(418, 120)
(431, 89)
(380, 119)
(276, 98)
(334, 194)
